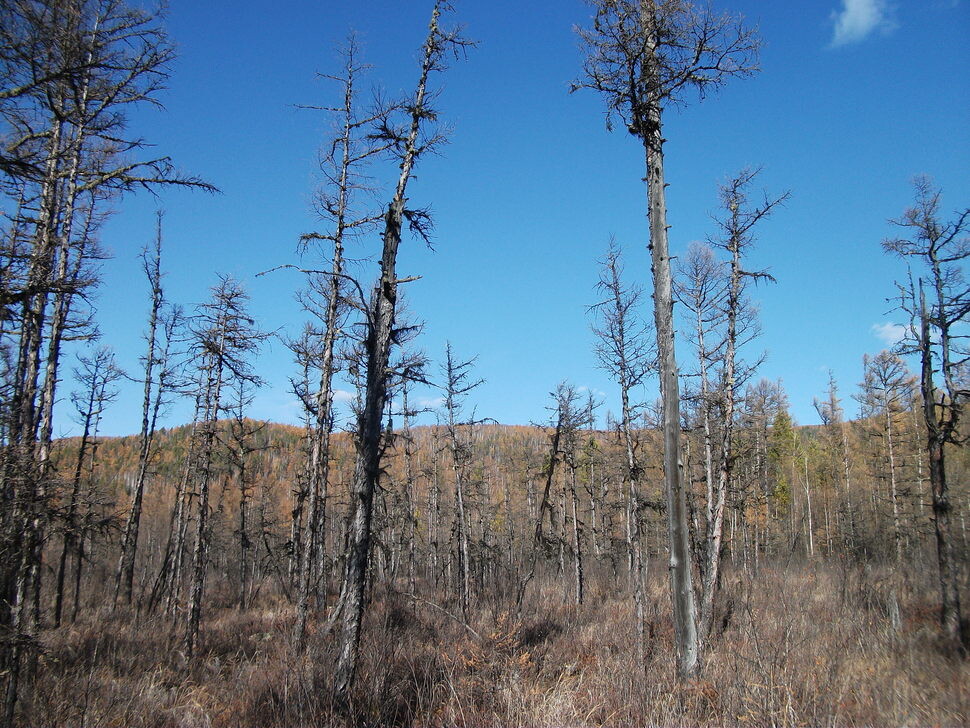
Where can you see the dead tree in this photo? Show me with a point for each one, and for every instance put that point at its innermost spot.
(71, 70)
(96, 373)
(700, 286)
(885, 390)
(831, 413)
(409, 144)
(578, 417)
(644, 55)
(224, 340)
(545, 505)
(937, 249)
(623, 350)
(735, 237)
(457, 385)
(243, 440)
(342, 167)
(159, 375)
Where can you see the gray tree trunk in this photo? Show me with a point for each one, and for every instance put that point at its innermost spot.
(681, 582)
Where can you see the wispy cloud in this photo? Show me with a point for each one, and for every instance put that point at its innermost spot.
(430, 402)
(860, 18)
(342, 395)
(888, 333)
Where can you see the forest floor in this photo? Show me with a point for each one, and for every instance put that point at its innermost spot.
(797, 645)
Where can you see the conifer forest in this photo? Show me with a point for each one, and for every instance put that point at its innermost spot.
(676, 551)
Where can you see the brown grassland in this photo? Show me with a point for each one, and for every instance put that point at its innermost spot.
(799, 644)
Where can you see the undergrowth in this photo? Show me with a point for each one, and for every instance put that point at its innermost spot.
(796, 646)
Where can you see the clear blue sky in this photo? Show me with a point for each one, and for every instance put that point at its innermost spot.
(854, 99)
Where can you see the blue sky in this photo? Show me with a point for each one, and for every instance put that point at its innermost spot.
(854, 99)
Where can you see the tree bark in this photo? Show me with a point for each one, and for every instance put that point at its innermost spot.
(950, 617)
(681, 584)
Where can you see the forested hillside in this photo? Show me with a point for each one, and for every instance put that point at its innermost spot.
(773, 509)
(814, 588)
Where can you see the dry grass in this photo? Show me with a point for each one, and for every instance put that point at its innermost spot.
(799, 647)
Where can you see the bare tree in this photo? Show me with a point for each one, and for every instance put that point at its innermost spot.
(97, 374)
(159, 373)
(71, 70)
(243, 441)
(700, 285)
(735, 237)
(457, 385)
(831, 413)
(937, 249)
(577, 416)
(643, 56)
(342, 166)
(885, 389)
(409, 144)
(224, 339)
(624, 351)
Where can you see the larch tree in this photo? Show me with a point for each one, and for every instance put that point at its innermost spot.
(243, 441)
(735, 236)
(343, 167)
(458, 383)
(937, 303)
(886, 387)
(97, 373)
(71, 71)
(700, 285)
(832, 415)
(644, 56)
(770, 441)
(224, 340)
(159, 373)
(409, 142)
(623, 349)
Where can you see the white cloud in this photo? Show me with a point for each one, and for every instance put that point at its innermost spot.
(888, 333)
(860, 18)
(430, 402)
(341, 395)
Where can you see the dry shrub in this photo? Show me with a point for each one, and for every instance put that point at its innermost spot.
(798, 645)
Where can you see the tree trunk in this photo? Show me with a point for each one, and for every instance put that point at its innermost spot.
(129, 543)
(367, 469)
(950, 617)
(577, 537)
(681, 586)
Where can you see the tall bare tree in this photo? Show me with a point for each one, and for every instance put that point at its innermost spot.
(409, 143)
(700, 285)
(831, 413)
(885, 391)
(623, 350)
(71, 71)
(342, 166)
(936, 250)
(163, 323)
(643, 56)
(735, 236)
(457, 385)
(97, 373)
